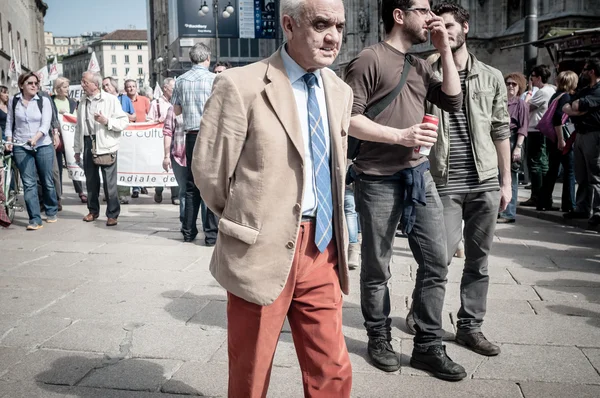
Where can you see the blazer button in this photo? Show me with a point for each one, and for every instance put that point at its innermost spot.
(290, 245)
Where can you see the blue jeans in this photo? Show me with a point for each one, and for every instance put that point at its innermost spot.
(351, 216)
(181, 176)
(379, 202)
(32, 164)
(511, 210)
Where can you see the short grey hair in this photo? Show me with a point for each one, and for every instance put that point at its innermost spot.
(130, 81)
(293, 8)
(113, 82)
(199, 53)
(94, 77)
(168, 81)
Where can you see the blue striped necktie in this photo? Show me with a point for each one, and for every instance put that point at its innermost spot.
(324, 230)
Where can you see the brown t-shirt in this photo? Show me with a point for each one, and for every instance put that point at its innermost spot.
(373, 74)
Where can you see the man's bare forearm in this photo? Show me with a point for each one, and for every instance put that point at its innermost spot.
(451, 82)
(503, 153)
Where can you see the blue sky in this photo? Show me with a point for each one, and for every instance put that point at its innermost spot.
(73, 17)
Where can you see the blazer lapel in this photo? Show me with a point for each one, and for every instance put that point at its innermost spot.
(333, 93)
(280, 95)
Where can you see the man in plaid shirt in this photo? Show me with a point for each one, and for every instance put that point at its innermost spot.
(190, 94)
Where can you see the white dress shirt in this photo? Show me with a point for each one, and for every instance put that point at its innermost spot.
(295, 74)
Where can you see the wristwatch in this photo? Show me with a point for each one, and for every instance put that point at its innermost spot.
(519, 145)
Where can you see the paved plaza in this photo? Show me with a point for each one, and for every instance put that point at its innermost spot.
(132, 311)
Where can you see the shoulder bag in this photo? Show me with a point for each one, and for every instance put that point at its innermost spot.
(375, 109)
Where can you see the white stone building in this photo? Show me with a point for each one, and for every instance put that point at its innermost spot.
(122, 54)
(22, 29)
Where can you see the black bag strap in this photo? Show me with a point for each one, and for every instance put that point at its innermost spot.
(383, 103)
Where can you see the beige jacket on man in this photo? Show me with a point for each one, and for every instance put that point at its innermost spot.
(248, 164)
(107, 137)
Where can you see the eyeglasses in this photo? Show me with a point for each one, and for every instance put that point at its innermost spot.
(422, 10)
(511, 84)
(31, 83)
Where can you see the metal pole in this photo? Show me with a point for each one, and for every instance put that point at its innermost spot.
(531, 34)
(217, 28)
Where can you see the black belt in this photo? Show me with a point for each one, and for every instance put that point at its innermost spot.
(308, 219)
(192, 131)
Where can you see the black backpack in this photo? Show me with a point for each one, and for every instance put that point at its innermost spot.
(15, 101)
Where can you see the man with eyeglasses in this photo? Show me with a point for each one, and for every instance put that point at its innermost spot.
(472, 146)
(585, 113)
(393, 180)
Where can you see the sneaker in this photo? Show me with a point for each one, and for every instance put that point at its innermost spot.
(175, 201)
(158, 197)
(123, 200)
(383, 355)
(477, 342)
(135, 195)
(52, 219)
(529, 203)
(438, 363)
(34, 227)
(144, 191)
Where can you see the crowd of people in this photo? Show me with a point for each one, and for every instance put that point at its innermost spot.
(37, 135)
(278, 201)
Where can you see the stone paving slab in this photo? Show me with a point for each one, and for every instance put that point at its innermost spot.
(176, 342)
(13, 257)
(392, 385)
(40, 390)
(536, 363)
(36, 283)
(579, 308)
(18, 301)
(31, 332)
(53, 367)
(589, 264)
(70, 247)
(593, 355)
(76, 272)
(10, 356)
(132, 374)
(197, 378)
(556, 278)
(558, 390)
(539, 330)
(88, 336)
(145, 261)
(569, 294)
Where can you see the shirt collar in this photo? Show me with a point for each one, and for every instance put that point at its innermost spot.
(295, 71)
(198, 66)
(95, 97)
(35, 97)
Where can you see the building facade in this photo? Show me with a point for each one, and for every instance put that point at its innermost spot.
(169, 50)
(61, 45)
(22, 29)
(495, 25)
(122, 54)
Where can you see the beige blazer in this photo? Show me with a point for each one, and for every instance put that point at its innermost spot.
(248, 164)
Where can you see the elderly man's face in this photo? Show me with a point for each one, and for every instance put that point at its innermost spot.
(88, 85)
(131, 89)
(315, 41)
(106, 86)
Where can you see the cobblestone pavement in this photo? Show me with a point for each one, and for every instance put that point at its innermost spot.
(132, 311)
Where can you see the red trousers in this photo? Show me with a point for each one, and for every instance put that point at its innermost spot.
(312, 301)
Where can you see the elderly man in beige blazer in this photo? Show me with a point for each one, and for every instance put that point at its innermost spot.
(270, 162)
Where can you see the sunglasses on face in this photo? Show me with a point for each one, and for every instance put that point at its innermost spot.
(31, 83)
(511, 84)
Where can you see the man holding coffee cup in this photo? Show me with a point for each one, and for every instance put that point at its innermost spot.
(393, 181)
(473, 143)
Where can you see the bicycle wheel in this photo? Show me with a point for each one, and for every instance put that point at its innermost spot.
(11, 195)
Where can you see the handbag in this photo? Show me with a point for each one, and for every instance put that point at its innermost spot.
(377, 108)
(106, 159)
(545, 125)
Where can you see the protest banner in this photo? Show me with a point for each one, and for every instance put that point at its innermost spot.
(139, 159)
(75, 91)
